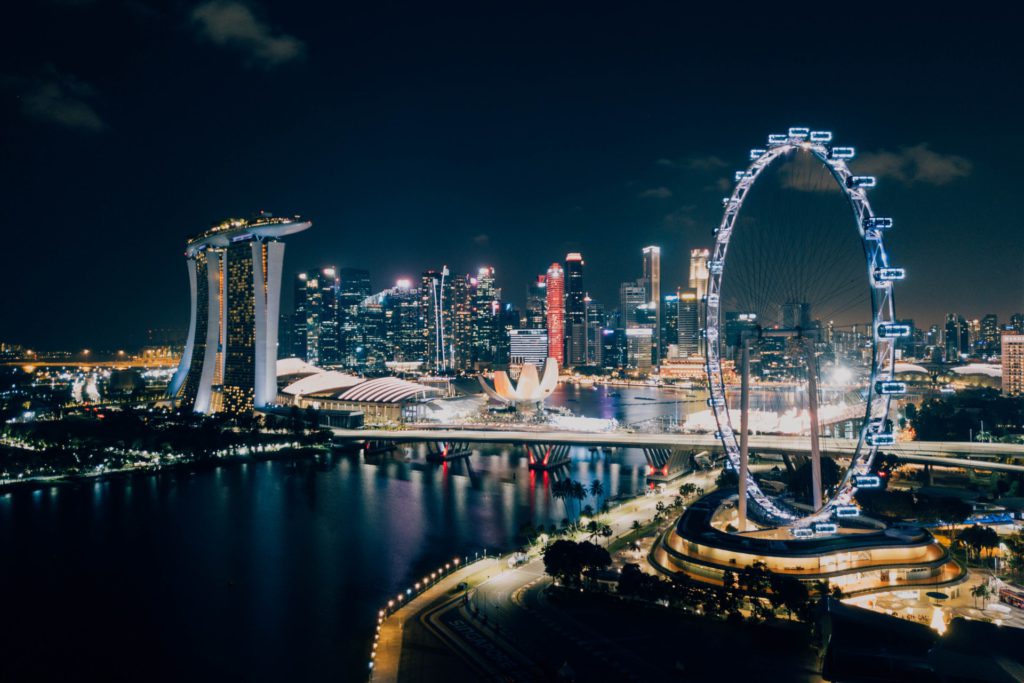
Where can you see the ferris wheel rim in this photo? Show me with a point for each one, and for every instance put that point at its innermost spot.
(882, 312)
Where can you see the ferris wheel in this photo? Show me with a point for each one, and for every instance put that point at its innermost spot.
(885, 330)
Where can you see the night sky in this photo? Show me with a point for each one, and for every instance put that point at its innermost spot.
(489, 133)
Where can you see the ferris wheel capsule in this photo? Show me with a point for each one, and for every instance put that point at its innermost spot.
(799, 133)
(756, 153)
(777, 139)
(859, 181)
(877, 223)
(842, 153)
(821, 136)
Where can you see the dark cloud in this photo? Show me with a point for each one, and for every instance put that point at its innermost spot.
(63, 100)
(659, 192)
(481, 239)
(680, 218)
(914, 165)
(234, 25)
(696, 163)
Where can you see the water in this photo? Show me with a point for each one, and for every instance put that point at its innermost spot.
(267, 570)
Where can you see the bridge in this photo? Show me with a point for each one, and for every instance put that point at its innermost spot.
(974, 455)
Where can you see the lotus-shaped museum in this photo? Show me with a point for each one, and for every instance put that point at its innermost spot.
(529, 391)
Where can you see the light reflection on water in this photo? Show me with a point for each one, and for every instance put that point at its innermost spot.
(272, 570)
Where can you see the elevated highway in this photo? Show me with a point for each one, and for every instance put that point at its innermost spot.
(985, 456)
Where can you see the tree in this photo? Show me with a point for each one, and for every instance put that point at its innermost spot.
(981, 591)
(801, 481)
(891, 504)
(1015, 550)
(978, 538)
(562, 561)
(567, 560)
(596, 490)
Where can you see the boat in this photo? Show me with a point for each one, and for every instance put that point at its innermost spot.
(645, 398)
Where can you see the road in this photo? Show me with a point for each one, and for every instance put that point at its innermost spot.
(502, 628)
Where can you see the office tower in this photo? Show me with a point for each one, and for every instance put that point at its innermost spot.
(736, 324)
(230, 358)
(536, 304)
(795, 314)
(952, 337)
(575, 310)
(508, 319)
(1017, 323)
(592, 333)
(669, 327)
(638, 348)
(315, 332)
(632, 295)
(1013, 364)
(375, 348)
(990, 333)
(555, 306)
(613, 348)
(461, 319)
(699, 272)
(353, 288)
(652, 288)
(485, 310)
(688, 324)
(699, 283)
(405, 323)
(299, 332)
(528, 346)
(435, 306)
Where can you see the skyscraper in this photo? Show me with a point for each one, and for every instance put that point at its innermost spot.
(230, 357)
(688, 324)
(652, 289)
(536, 304)
(528, 346)
(699, 272)
(556, 313)
(699, 284)
(575, 310)
(1013, 364)
(486, 308)
(353, 288)
(315, 332)
(435, 306)
(632, 295)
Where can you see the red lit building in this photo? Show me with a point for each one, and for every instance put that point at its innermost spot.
(556, 313)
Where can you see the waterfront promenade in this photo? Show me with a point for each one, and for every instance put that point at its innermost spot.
(480, 626)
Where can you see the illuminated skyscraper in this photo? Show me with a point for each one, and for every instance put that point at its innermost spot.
(556, 313)
(699, 271)
(1013, 364)
(688, 324)
(652, 289)
(575, 310)
(230, 357)
(315, 333)
(699, 284)
(353, 288)
(435, 306)
(536, 304)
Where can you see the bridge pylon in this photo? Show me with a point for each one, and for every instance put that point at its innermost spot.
(546, 456)
(444, 451)
(665, 463)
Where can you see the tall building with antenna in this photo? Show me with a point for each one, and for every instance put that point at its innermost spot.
(652, 290)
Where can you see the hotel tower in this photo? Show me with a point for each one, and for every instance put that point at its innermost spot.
(234, 273)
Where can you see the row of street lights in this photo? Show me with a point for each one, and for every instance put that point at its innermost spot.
(394, 604)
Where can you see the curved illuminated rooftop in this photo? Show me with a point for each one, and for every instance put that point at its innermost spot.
(237, 229)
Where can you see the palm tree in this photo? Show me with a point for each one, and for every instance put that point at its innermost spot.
(980, 591)
(596, 490)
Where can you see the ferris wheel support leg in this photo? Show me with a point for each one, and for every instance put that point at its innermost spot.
(812, 401)
(744, 447)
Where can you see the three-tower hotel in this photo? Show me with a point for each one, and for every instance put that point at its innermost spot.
(234, 273)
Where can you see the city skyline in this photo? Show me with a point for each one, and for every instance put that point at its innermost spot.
(562, 145)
